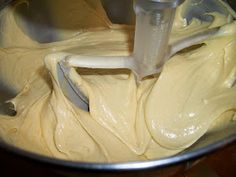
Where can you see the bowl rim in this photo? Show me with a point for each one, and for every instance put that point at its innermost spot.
(119, 166)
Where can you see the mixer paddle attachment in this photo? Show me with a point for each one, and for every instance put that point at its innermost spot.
(154, 19)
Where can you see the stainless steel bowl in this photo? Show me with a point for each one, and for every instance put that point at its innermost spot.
(158, 167)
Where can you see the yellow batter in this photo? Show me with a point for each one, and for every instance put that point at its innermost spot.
(161, 117)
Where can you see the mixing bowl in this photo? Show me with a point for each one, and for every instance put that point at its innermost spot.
(35, 23)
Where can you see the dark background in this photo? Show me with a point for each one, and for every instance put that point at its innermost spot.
(221, 163)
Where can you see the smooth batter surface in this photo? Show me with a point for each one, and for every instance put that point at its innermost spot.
(161, 117)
